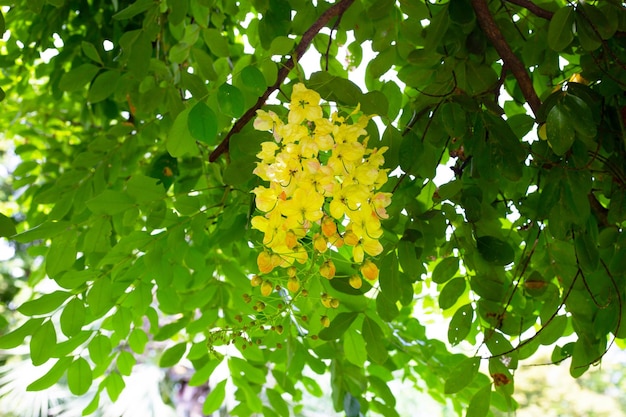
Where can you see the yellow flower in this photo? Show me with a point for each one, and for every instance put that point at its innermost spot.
(369, 270)
(305, 105)
(365, 222)
(264, 262)
(355, 281)
(304, 206)
(328, 270)
(267, 198)
(266, 120)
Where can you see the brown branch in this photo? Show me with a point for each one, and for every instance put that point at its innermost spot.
(512, 62)
(336, 10)
(533, 8)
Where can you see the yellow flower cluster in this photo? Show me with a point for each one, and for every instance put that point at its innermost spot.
(323, 183)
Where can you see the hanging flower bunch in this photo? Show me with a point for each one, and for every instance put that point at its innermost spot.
(323, 184)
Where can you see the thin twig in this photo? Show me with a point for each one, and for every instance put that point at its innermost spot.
(513, 63)
(533, 8)
(336, 10)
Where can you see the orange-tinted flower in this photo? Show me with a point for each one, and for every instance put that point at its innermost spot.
(264, 262)
(328, 270)
(369, 270)
(355, 281)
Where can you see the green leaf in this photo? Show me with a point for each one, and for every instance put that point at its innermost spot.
(125, 362)
(103, 86)
(461, 11)
(495, 251)
(7, 227)
(338, 326)
(2, 24)
(143, 189)
(253, 80)
(560, 33)
(203, 374)
(579, 113)
(134, 9)
(44, 304)
(16, 337)
(137, 340)
(172, 355)
(52, 376)
(110, 202)
(90, 51)
(100, 296)
(374, 341)
(100, 349)
(202, 123)
(215, 399)
(480, 402)
(79, 376)
(461, 375)
(445, 270)
(278, 402)
(450, 294)
(354, 348)
(560, 130)
(73, 317)
(453, 118)
(61, 255)
(217, 43)
(114, 385)
(42, 342)
(587, 252)
(230, 100)
(375, 103)
(460, 324)
(77, 77)
(179, 141)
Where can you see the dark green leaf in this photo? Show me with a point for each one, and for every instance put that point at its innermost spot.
(560, 33)
(7, 227)
(374, 341)
(103, 86)
(495, 251)
(338, 326)
(77, 77)
(451, 292)
(445, 270)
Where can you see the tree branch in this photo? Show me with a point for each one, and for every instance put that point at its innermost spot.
(336, 10)
(533, 8)
(512, 62)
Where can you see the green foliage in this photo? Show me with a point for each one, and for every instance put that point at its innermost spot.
(136, 151)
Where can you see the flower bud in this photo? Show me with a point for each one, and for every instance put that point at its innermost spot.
(355, 281)
(327, 270)
(266, 288)
(293, 284)
(256, 280)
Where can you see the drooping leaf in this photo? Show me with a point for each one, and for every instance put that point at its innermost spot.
(79, 376)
